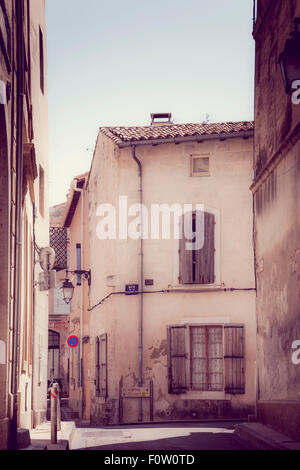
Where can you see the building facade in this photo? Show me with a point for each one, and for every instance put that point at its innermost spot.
(24, 222)
(75, 220)
(59, 311)
(276, 189)
(172, 330)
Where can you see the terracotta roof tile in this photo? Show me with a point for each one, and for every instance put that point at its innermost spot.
(171, 131)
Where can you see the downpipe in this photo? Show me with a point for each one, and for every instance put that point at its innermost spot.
(81, 397)
(18, 245)
(141, 299)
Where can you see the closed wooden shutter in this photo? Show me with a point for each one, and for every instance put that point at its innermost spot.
(177, 358)
(205, 258)
(185, 256)
(103, 365)
(97, 366)
(234, 359)
(197, 266)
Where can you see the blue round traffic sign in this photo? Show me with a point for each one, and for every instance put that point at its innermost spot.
(73, 341)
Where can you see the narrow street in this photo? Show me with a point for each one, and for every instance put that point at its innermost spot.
(179, 436)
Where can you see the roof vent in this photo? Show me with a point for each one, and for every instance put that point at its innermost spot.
(160, 119)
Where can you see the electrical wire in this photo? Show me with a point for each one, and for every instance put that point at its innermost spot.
(164, 291)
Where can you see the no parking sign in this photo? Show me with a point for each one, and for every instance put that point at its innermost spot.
(73, 341)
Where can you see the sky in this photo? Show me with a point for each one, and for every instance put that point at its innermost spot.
(113, 63)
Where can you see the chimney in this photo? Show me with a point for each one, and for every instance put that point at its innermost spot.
(161, 119)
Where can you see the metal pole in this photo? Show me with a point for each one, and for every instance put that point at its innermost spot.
(58, 409)
(53, 397)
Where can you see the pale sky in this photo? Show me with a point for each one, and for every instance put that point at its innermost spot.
(115, 62)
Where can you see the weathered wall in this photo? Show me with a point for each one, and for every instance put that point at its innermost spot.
(114, 263)
(79, 392)
(60, 324)
(275, 116)
(4, 275)
(32, 373)
(277, 223)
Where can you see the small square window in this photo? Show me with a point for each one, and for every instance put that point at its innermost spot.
(200, 165)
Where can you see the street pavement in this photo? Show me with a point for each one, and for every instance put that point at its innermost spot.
(162, 436)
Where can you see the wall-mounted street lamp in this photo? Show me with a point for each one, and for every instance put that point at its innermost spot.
(68, 288)
(289, 59)
(67, 291)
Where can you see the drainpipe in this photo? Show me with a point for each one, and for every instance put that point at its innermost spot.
(140, 347)
(18, 243)
(79, 190)
(33, 310)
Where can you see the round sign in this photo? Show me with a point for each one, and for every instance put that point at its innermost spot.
(73, 341)
(47, 258)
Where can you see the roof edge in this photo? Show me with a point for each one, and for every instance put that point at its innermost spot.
(193, 138)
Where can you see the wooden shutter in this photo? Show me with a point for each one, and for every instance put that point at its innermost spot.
(177, 359)
(103, 365)
(205, 258)
(185, 256)
(234, 359)
(97, 366)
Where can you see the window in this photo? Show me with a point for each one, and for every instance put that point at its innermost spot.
(53, 339)
(78, 262)
(101, 365)
(197, 266)
(53, 355)
(41, 191)
(200, 165)
(42, 66)
(206, 358)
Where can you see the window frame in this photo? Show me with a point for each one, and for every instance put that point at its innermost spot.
(217, 257)
(42, 60)
(41, 191)
(190, 353)
(101, 370)
(199, 174)
(228, 388)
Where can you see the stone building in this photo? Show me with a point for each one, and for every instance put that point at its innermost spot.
(24, 227)
(172, 330)
(276, 190)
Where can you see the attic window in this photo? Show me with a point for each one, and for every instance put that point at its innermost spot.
(200, 165)
(161, 118)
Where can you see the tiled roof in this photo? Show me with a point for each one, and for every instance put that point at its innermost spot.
(172, 131)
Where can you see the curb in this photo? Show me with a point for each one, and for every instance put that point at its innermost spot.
(264, 438)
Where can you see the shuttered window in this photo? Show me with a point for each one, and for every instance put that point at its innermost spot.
(101, 365)
(207, 358)
(177, 359)
(216, 358)
(197, 266)
(234, 359)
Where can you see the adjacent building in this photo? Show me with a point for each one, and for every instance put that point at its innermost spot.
(172, 331)
(24, 227)
(75, 220)
(276, 190)
(59, 311)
